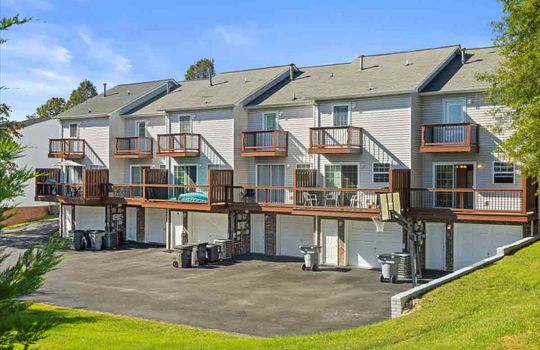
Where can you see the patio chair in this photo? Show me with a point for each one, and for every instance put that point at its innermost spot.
(331, 197)
(355, 203)
(309, 199)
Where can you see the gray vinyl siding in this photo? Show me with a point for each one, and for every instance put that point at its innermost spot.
(241, 164)
(386, 122)
(95, 132)
(295, 120)
(416, 135)
(477, 111)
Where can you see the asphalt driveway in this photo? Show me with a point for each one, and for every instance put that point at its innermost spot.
(253, 295)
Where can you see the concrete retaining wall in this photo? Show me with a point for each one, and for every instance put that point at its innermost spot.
(401, 301)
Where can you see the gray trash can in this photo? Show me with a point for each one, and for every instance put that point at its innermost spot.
(311, 257)
(96, 239)
(110, 240)
(388, 268)
(77, 239)
(201, 253)
(212, 252)
(183, 258)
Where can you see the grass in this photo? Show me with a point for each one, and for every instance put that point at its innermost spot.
(495, 308)
(43, 218)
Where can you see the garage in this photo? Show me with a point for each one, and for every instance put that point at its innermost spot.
(363, 243)
(207, 227)
(294, 231)
(155, 223)
(435, 246)
(89, 218)
(475, 242)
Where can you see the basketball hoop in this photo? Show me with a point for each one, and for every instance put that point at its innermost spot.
(379, 224)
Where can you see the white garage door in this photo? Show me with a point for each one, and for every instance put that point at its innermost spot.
(177, 226)
(155, 224)
(475, 242)
(293, 232)
(206, 227)
(364, 243)
(257, 233)
(89, 218)
(131, 224)
(436, 246)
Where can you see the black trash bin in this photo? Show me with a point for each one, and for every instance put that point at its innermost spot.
(183, 258)
(201, 253)
(77, 239)
(212, 252)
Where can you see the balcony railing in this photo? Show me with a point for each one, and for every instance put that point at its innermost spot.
(468, 199)
(265, 143)
(351, 199)
(264, 195)
(66, 148)
(48, 186)
(179, 145)
(456, 137)
(134, 147)
(335, 139)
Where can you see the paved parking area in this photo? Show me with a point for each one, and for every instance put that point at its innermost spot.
(254, 295)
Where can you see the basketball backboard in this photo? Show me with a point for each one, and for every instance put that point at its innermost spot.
(389, 203)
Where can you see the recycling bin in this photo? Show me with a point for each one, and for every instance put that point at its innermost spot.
(388, 267)
(183, 256)
(212, 253)
(311, 257)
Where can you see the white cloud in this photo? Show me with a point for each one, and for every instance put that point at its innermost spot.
(38, 48)
(236, 36)
(102, 49)
(52, 75)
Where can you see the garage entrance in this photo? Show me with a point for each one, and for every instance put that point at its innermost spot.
(207, 227)
(294, 231)
(364, 243)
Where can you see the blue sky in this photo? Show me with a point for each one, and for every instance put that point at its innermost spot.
(124, 41)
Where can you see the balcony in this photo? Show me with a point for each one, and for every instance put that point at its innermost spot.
(49, 188)
(134, 147)
(66, 148)
(265, 143)
(447, 138)
(335, 140)
(179, 145)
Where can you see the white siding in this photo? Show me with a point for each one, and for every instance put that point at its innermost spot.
(36, 138)
(477, 111)
(95, 131)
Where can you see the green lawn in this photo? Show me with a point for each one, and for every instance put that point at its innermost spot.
(495, 308)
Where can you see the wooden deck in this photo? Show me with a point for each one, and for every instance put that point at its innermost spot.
(335, 140)
(450, 138)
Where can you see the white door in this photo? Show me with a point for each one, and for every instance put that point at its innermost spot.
(475, 242)
(207, 227)
(364, 243)
(155, 225)
(294, 231)
(131, 224)
(435, 246)
(177, 224)
(330, 242)
(89, 218)
(68, 220)
(257, 233)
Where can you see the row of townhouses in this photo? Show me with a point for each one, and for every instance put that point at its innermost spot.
(281, 156)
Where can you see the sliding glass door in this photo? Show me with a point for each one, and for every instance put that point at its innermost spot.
(270, 175)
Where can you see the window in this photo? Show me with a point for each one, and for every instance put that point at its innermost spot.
(303, 166)
(136, 178)
(381, 172)
(444, 178)
(185, 174)
(503, 173)
(73, 174)
(341, 115)
(140, 129)
(181, 124)
(73, 130)
(454, 110)
(271, 175)
(270, 121)
(341, 176)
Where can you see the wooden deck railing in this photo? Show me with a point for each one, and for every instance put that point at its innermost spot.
(265, 143)
(67, 148)
(450, 137)
(179, 145)
(48, 185)
(335, 139)
(134, 147)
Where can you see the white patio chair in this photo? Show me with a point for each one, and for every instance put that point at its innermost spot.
(309, 199)
(355, 203)
(331, 197)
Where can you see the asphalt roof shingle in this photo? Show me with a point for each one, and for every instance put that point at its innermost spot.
(116, 97)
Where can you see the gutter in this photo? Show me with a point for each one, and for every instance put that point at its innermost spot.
(457, 91)
(82, 116)
(361, 95)
(187, 109)
(281, 105)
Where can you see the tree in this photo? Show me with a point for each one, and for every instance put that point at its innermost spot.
(202, 69)
(82, 93)
(515, 84)
(51, 108)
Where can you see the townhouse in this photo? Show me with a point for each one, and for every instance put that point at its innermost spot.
(282, 156)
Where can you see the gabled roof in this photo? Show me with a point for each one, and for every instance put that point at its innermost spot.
(29, 122)
(457, 77)
(391, 73)
(228, 89)
(115, 98)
